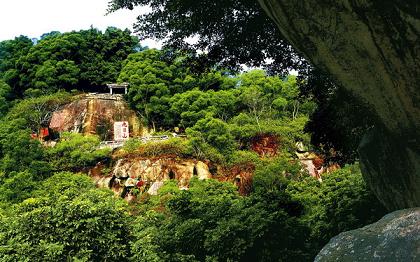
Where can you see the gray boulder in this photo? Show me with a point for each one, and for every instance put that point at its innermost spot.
(396, 237)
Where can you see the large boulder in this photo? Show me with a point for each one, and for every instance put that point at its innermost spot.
(372, 49)
(153, 171)
(391, 169)
(96, 114)
(160, 169)
(396, 237)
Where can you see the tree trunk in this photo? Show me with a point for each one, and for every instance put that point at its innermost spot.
(372, 48)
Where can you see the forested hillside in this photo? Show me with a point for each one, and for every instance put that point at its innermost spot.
(262, 202)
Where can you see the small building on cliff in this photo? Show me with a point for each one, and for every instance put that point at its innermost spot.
(118, 88)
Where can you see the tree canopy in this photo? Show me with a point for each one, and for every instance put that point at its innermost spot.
(83, 60)
(232, 32)
(48, 212)
(261, 204)
(235, 33)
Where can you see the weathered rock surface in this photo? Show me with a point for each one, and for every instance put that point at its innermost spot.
(396, 237)
(391, 169)
(151, 171)
(161, 169)
(95, 114)
(373, 49)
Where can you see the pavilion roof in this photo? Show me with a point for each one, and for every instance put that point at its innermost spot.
(121, 85)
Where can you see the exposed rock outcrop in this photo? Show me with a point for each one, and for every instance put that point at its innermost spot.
(95, 114)
(161, 169)
(372, 48)
(152, 172)
(396, 237)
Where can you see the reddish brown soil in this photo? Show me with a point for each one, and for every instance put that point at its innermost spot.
(265, 145)
(241, 175)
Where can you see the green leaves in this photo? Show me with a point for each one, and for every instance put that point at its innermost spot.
(17, 187)
(211, 134)
(64, 184)
(152, 83)
(212, 222)
(5, 97)
(54, 75)
(232, 33)
(37, 111)
(20, 152)
(341, 202)
(189, 107)
(76, 60)
(76, 152)
(91, 225)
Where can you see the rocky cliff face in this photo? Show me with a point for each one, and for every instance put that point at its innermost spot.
(148, 174)
(160, 169)
(96, 114)
(396, 237)
(372, 48)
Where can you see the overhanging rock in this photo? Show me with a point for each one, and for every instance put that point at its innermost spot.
(372, 48)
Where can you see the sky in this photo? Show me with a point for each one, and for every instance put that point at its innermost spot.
(33, 18)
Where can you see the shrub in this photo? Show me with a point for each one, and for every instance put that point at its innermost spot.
(76, 152)
(92, 226)
(341, 202)
(172, 146)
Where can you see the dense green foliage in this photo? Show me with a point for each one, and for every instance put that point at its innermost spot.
(152, 82)
(75, 151)
(341, 202)
(67, 219)
(5, 97)
(234, 33)
(221, 112)
(282, 220)
(212, 222)
(36, 112)
(50, 213)
(77, 60)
